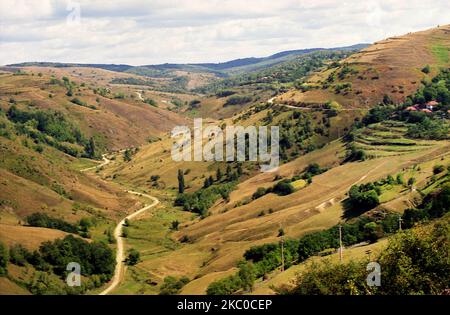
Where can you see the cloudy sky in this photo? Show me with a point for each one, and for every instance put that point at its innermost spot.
(158, 31)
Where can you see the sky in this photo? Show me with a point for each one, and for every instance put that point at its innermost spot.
(139, 32)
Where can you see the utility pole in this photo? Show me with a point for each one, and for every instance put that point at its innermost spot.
(282, 249)
(340, 243)
(368, 252)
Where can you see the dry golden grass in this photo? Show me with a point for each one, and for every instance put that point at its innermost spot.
(122, 122)
(30, 237)
(7, 287)
(391, 66)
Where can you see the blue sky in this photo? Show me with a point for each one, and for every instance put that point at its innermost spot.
(158, 31)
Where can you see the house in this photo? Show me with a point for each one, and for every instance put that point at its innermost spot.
(426, 110)
(411, 108)
(431, 105)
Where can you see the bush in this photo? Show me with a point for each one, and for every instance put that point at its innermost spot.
(363, 197)
(172, 285)
(429, 129)
(283, 188)
(437, 169)
(3, 260)
(95, 258)
(261, 191)
(226, 286)
(133, 257)
(238, 100)
(201, 200)
(43, 220)
(426, 69)
(19, 255)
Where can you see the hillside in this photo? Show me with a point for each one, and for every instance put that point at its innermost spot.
(391, 67)
(115, 116)
(364, 146)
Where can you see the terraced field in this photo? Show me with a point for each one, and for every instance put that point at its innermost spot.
(388, 139)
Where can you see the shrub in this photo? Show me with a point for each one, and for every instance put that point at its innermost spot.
(437, 169)
(426, 69)
(19, 255)
(133, 257)
(3, 259)
(261, 191)
(283, 188)
(43, 220)
(238, 100)
(172, 285)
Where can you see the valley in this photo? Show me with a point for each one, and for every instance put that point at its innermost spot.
(85, 163)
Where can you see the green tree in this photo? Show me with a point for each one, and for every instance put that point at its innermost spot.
(437, 169)
(175, 225)
(218, 174)
(411, 182)
(247, 275)
(180, 181)
(127, 155)
(133, 257)
(4, 257)
(91, 148)
(172, 285)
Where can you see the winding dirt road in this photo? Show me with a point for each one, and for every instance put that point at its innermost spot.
(120, 255)
(106, 161)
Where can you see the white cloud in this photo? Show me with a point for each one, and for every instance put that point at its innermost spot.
(157, 31)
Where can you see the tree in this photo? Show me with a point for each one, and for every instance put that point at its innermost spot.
(180, 181)
(400, 180)
(90, 148)
(283, 188)
(3, 260)
(133, 257)
(228, 172)
(175, 225)
(426, 69)
(127, 155)
(437, 169)
(172, 285)
(247, 275)
(411, 182)
(218, 174)
(239, 169)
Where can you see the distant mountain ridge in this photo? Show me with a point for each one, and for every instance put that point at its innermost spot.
(223, 68)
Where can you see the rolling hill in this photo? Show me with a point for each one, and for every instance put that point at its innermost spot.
(345, 159)
(391, 67)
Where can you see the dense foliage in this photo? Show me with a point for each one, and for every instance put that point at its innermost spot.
(366, 228)
(3, 259)
(172, 285)
(415, 262)
(52, 128)
(286, 72)
(364, 197)
(201, 200)
(39, 219)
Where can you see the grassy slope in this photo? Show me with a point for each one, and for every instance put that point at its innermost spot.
(120, 123)
(392, 66)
